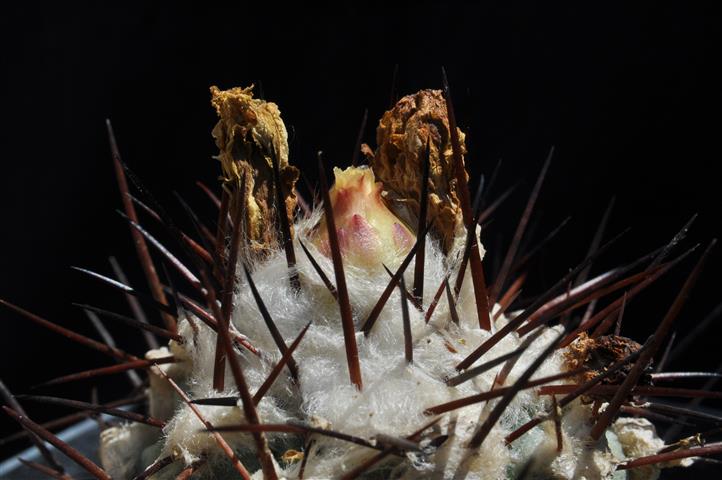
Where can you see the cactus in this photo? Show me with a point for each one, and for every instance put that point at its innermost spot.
(300, 352)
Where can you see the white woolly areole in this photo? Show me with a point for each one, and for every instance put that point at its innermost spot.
(392, 401)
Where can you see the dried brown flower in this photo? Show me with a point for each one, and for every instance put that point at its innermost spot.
(248, 133)
(597, 354)
(398, 162)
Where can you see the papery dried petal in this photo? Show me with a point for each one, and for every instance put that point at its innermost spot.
(398, 163)
(248, 133)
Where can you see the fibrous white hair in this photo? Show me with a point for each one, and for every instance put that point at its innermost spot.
(395, 394)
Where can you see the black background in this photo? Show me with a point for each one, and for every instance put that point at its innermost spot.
(629, 96)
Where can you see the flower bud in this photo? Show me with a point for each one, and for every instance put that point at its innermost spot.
(369, 234)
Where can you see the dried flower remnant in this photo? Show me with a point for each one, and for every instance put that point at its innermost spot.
(398, 162)
(249, 133)
(369, 234)
(598, 353)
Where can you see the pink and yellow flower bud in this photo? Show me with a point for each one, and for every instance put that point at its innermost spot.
(369, 234)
